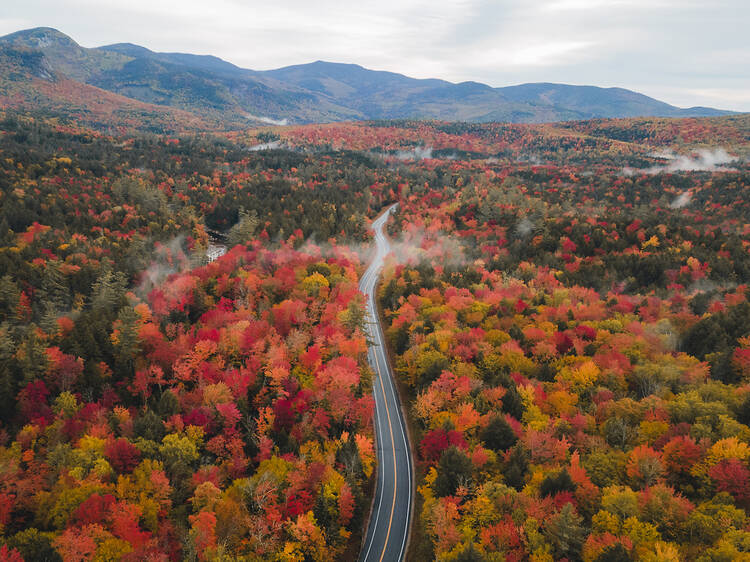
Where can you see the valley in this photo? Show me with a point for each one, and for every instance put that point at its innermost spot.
(564, 307)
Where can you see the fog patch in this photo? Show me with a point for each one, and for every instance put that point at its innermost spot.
(703, 160)
(707, 286)
(524, 227)
(169, 258)
(532, 159)
(663, 154)
(416, 247)
(682, 200)
(268, 120)
(417, 153)
(265, 146)
(666, 332)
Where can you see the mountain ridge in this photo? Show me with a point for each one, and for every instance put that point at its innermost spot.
(217, 90)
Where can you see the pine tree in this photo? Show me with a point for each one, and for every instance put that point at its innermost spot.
(454, 470)
(566, 533)
(9, 297)
(108, 292)
(127, 346)
(32, 356)
(244, 231)
(8, 382)
(498, 435)
(518, 465)
(55, 295)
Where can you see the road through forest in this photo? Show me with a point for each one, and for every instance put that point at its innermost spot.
(389, 522)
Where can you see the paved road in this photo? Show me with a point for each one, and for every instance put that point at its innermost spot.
(389, 521)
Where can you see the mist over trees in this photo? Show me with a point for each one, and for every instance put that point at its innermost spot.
(574, 345)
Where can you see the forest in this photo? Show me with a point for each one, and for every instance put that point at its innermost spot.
(567, 309)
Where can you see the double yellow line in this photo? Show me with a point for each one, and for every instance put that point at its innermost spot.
(393, 447)
(371, 274)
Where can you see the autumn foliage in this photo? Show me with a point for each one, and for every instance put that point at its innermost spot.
(248, 429)
(569, 319)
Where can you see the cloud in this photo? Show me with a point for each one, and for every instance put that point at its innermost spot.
(268, 120)
(418, 153)
(580, 5)
(530, 158)
(686, 52)
(721, 97)
(415, 246)
(704, 160)
(524, 227)
(682, 200)
(543, 53)
(9, 25)
(168, 258)
(265, 146)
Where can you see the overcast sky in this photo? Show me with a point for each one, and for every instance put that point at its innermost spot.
(684, 52)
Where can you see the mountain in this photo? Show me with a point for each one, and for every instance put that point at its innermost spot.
(28, 81)
(222, 95)
(387, 95)
(593, 102)
(208, 88)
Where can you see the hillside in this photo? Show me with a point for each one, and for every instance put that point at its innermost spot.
(227, 96)
(29, 82)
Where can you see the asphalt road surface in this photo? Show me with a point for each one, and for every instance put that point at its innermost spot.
(389, 521)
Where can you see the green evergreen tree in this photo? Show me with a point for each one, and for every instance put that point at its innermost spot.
(127, 347)
(244, 231)
(518, 465)
(454, 470)
(566, 533)
(8, 377)
(9, 297)
(55, 295)
(32, 356)
(108, 292)
(556, 483)
(498, 435)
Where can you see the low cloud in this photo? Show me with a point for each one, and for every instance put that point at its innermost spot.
(416, 246)
(418, 153)
(704, 160)
(169, 258)
(354, 251)
(529, 159)
(524, 227)
(265, 146)
(268, 120)
(682, 200)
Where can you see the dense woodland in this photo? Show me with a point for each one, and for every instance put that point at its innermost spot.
(575, 350)
(569, 319)
(154, 406)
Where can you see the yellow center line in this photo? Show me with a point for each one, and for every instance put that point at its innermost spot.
(395, 472)
(375, 320)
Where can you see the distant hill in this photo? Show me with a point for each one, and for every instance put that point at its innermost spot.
(223, 95)
(28, 81)
(593, 102)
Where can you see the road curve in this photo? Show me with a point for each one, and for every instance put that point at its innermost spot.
(389, 521)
